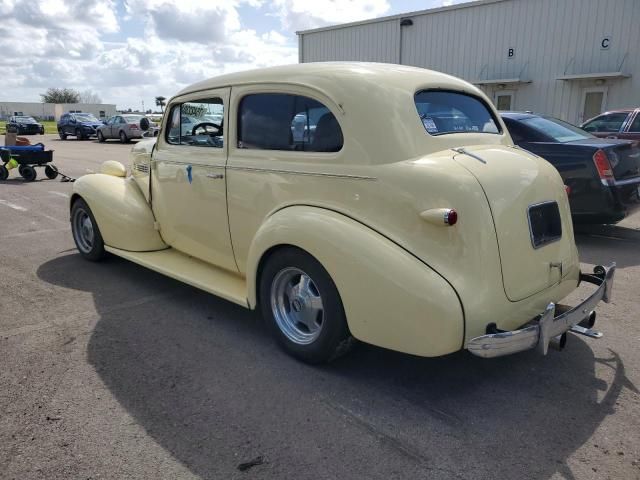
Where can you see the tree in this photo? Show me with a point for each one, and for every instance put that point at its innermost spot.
(89, 97)
(60, 95)
(161, 102)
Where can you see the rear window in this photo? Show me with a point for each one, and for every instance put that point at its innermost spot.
(556, 129)
(445, 112)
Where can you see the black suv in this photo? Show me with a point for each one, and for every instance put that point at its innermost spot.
(79, 125)
(24, 125)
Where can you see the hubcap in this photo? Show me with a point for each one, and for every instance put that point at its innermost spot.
(297, 306)
(83, 230)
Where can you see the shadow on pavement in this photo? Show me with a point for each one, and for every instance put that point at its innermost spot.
(207, 383)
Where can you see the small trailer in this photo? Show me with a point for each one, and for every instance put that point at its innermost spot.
(27, 158)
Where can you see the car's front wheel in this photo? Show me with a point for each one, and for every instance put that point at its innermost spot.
(79, 134)
(302, 307)
(86, 233)
(63, 136)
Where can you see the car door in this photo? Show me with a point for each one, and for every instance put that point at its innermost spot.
(188, 182)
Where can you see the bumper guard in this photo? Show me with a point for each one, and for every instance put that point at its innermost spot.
(541, 331)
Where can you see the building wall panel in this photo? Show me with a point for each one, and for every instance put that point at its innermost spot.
(550, 38)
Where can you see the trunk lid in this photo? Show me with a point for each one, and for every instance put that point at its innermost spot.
(623, 155)
(530, 214)
(624, 158)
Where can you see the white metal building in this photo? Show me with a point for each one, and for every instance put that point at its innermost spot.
(53, 111)
(567, 58)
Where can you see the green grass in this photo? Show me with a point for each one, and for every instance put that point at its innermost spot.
(49, 127)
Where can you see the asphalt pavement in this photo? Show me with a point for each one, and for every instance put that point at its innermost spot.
(113, 371)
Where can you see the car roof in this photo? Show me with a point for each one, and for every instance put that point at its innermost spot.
(330, 77)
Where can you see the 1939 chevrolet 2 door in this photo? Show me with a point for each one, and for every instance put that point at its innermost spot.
(350, 200)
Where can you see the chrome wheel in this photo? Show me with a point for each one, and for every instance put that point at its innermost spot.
(83, 232)
(296, 305)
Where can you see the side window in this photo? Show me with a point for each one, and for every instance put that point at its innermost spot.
(198, 123)
(635, 126)
(606, 123)
(276, 121)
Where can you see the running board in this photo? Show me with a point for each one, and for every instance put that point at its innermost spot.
(182, 267)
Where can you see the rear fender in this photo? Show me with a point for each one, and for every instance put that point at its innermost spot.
(121, 211)
(391, 299)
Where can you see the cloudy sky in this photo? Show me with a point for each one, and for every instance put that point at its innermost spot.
(129, 51)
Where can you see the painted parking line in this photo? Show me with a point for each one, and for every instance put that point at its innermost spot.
(60, 194)
(13, 205)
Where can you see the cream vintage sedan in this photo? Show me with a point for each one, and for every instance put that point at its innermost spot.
(404, 218)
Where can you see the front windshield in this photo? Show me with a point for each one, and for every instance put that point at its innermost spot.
(444, 112)
(25, 120)
(560, 131)
(85, 117)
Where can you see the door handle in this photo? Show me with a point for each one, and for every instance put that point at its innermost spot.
(215, 176)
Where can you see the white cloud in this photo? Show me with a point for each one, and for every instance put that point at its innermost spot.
(302, 14)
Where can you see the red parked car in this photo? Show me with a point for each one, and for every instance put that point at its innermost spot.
(624, 124)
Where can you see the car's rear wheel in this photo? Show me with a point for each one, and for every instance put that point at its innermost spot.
(123, 137)
(4, 173)
(302, 307)
(101, 137)
(86, 233)
(63, 136)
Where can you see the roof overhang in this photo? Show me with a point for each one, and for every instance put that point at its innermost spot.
(501, 81)
(593, 76)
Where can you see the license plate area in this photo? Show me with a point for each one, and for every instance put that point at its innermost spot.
(544, 223)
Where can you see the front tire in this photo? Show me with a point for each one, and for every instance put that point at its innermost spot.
(86, 233)
(63, 136)
(79, 134)
(302, 307)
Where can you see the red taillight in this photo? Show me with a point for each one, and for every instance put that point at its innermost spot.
(134, 126)
(567, 190)
(603, 166)
(451, 217)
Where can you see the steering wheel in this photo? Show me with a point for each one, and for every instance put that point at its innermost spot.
(205, 125)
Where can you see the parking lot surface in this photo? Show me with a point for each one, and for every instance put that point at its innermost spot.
(113, 371)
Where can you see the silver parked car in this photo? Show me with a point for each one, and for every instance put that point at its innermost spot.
(127, 126)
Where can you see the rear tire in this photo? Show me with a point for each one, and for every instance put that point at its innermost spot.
(302, 307)
(86, 233)
(123, 137)
(28, 173)
(101, 138)
(4, 173)
(63, 136)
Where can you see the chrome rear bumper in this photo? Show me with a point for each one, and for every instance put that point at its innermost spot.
(540, 332)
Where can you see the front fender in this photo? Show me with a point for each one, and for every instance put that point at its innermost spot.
(391, 299)
(121, 211)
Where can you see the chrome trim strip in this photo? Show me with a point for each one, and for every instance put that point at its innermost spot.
(469, 154)
(620, 183)
(174, 162)
(297, 172)
(547, 326)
